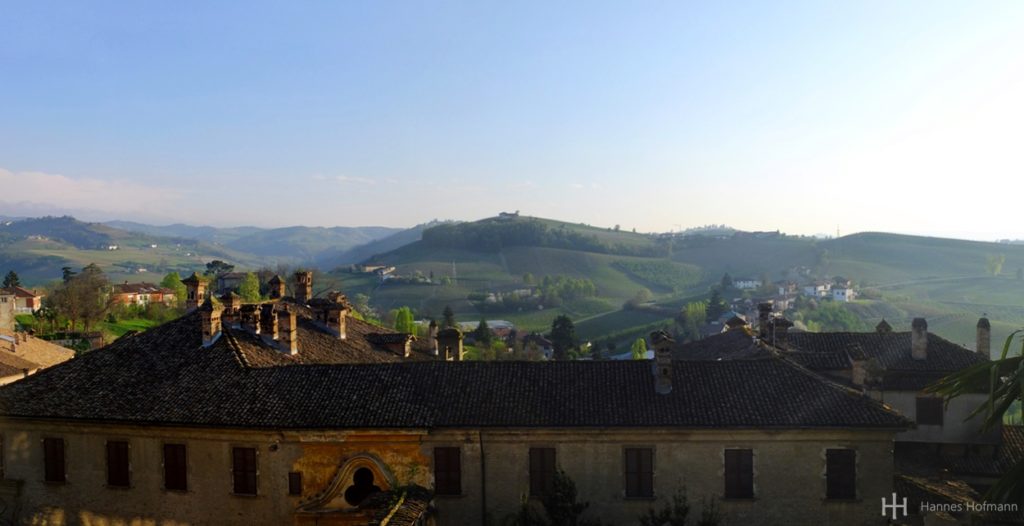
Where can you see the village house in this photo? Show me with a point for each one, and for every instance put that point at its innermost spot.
(291, 411)
(894, 368)
(747, 283)
(25, 301)
(141, 294)
(817, 289)
(843, 294)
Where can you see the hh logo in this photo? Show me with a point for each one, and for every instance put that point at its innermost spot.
(893, 506)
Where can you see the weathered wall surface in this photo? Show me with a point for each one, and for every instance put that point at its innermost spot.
(955, 428)
(789, 473)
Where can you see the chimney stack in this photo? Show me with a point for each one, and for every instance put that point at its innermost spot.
(276, 287)
(289, 341)
(984, 338)
(433, 337)
(450, 341)
(268, 321)
(303, 286)
(332, 312)
(196, 291)
(250, 317)
(231, 302)
(764, 313)
(209, 314)
(919, 339)
(662, 343)
(780, 330)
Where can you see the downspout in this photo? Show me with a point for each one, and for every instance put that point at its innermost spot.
(483, 477)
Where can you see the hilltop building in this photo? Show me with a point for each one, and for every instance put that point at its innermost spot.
(141, 294)
(293, 411)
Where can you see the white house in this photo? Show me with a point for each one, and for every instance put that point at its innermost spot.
(747, 283)
(843, 294)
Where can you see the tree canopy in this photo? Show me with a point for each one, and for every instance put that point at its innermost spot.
(249, 288)
(173, 282)
(11, 280)
(218, 267)
(563, 336)
(405, 321)
(449, 317)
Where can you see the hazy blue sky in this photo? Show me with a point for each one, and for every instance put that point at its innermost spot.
(866, 115)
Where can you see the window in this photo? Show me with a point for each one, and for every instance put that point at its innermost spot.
(175, 467)
(542, 471)
(929, 411)
(118, 471)
(244, 470)
(739, 473)
(639, 472)
(841, 474)
(53, 460)
(295, 483)
(447, 471)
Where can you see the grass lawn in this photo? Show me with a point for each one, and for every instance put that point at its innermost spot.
(123, 326)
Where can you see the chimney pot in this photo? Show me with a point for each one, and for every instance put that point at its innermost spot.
(250, 318)
(289, 332)
(433, 337)
(662, 343)
(450, 340)
(268, 322)
(919, 339)
(984, 337)
(303, 286)
(764, 313)
(209, 315)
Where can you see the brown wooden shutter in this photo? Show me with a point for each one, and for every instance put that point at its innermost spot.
(175, 467)
(447, 471)
(739, 473)
(929, 411)
(118, 471)
(639, 472)
(53, 460)
(295, 483)
(244, 470)
(841, 473)
(542, 471)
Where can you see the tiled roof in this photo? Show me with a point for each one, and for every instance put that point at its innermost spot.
(36, 350)
(164, 376)
(11, 364)
(891, 350)
(730, 345)
(18, 292)
(140, 288)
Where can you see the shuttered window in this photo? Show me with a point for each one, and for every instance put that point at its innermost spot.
(841, 473)
(295, 483)
(929, 411)
(447, 471)
(53, 460)
(639, 472)
(244, 470)
(118, 471)
(739, 473)
(175, 467)
(542, 471)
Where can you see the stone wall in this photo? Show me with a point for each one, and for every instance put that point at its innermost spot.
(789, 473)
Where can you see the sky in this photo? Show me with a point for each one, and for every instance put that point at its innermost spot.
(808, 117)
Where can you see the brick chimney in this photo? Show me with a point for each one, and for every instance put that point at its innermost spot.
(332, 312)
(288, 328)
(984, 337)
(195, 287)
(276, 287)
(250, 317)
(303, 286)
(232, 302)
(449, 341)
(764, 314)
(268, 321)
(859, 372)
(209, 315)
(780, 330)
(662, 343)
(919, 339)
(433, 337)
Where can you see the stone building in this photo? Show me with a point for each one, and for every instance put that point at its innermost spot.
(256, 414)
